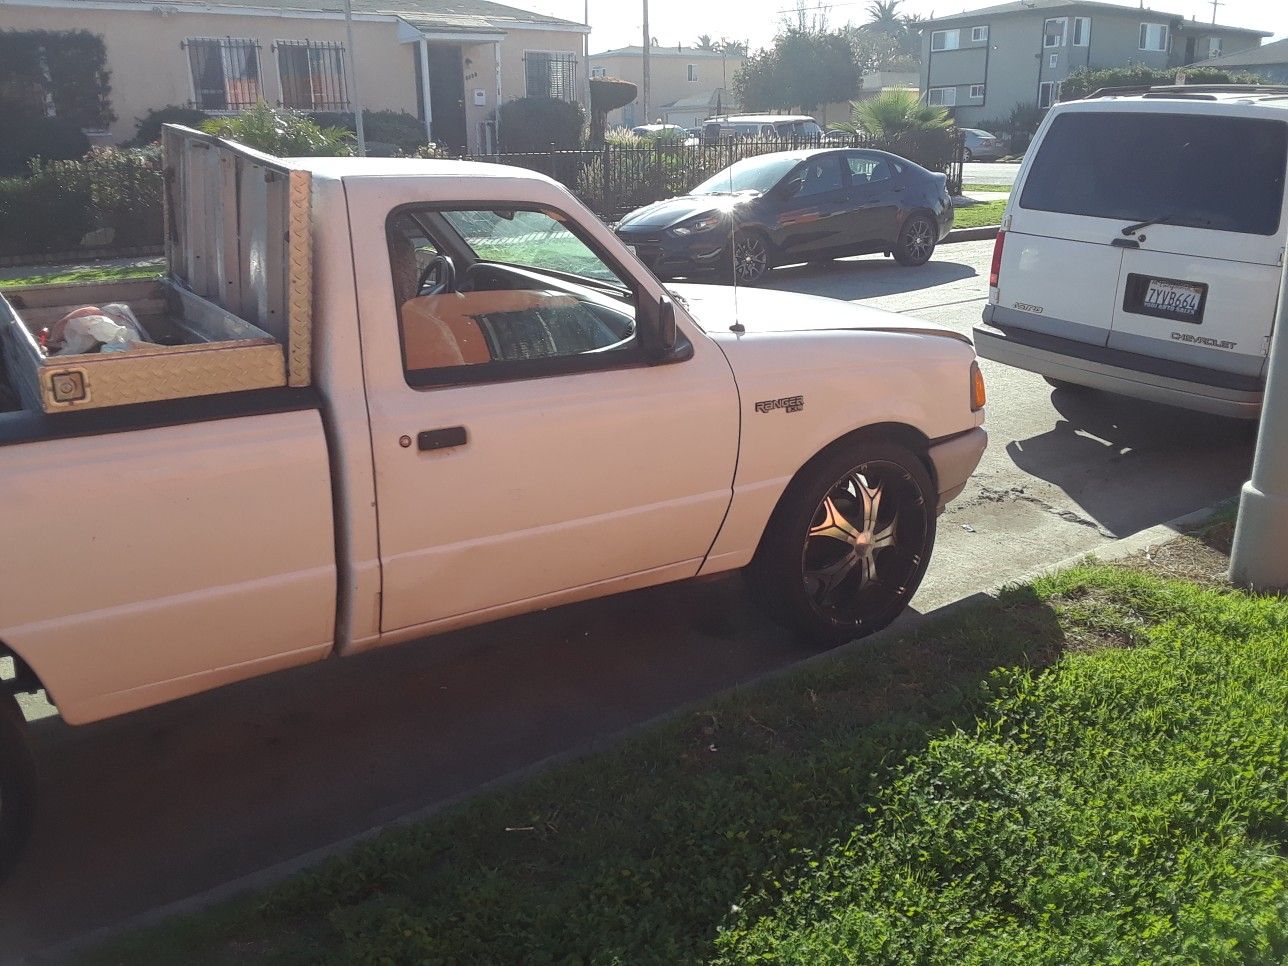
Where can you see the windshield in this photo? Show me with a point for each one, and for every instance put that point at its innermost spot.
(529, 239)
(1191, 170)
(751, 174)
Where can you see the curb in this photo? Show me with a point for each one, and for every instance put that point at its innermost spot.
(971, 234)
(262, 879)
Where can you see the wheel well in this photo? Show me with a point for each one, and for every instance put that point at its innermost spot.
(18, 677)
(901, 433)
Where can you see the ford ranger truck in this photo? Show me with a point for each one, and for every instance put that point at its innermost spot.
(388, 398)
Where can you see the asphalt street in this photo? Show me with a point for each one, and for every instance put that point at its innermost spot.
(169, 802)
(989, 172)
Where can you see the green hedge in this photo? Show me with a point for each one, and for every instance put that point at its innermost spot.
(53, 209)
(1083, 81)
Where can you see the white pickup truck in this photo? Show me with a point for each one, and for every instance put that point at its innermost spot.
(389, 398)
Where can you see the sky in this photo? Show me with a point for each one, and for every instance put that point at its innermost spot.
(617, 23)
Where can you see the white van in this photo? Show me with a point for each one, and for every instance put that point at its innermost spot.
(1142, 247)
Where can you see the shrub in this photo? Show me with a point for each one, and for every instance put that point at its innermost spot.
(67, 68)
(537, 123)
(1084, 81)
(285, 133)
(28, 136)
(110, 188)
(42, 213)
(404, 132)
(149, 125)
(892, 113)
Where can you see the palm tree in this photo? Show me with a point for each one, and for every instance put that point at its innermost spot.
(706, 43)
(883, 17)
(734, 48)
(892, 113)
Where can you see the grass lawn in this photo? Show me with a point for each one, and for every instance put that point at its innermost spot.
(978, 216)
(1002, 188)
(109, 273)
(1090, 769)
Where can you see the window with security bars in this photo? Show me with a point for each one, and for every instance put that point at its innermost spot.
(312, 75)
(225, 73)
(551, 75)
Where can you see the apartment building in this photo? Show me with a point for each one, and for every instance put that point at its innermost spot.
(982, 63)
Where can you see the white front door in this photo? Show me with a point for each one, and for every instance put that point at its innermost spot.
(524, 445)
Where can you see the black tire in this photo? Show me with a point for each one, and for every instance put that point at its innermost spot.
(967, 155)
(750, 257)
(17, 785)
(812, 542)
(917, 239)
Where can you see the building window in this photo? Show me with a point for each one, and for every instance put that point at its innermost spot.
(599, 72)
(1053, 60)
(1154, 37)
(225, 73)
(551, 75)
(312, 75)
(1053, 32)
(693, 73)
(976, 92)
(978, 35)
(1081, 31)
(941, 96)
(1214, 46)
(1046, 93)
(945, 39)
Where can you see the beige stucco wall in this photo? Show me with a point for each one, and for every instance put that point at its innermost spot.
(150, 70)
(668, 79)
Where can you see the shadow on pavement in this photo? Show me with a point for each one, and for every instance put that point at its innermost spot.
(1104, 444)
(866, 277)
(650, 847)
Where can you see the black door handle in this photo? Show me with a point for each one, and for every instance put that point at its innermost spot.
(441, 438)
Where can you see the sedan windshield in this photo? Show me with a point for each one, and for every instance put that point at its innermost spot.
(751, 174)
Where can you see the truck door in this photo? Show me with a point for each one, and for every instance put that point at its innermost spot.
(524, 446)
(1199, 286)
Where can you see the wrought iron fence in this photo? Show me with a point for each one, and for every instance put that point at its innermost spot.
(615, 179)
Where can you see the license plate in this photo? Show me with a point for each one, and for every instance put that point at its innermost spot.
(1171, 297)
(1165, 298)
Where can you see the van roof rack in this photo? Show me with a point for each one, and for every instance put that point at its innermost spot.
(1188, 90)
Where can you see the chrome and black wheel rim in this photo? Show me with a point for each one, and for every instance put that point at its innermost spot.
(750, 259)
(865, 545)
(919, 239)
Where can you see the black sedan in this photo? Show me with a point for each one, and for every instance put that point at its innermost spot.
(794, 206)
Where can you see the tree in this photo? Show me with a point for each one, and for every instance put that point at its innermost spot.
(705, 43)
(734, 48)
(803, 69)
(892, 113)
(874, 51)
(883, 17)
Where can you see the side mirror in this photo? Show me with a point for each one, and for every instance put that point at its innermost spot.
(666, 338)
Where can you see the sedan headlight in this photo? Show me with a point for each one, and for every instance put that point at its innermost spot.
(696, 225)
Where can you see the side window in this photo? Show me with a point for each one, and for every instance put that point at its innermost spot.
(501, 294)
(820, 175)
(865, 169)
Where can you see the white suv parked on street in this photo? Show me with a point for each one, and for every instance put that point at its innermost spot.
(1143, 244)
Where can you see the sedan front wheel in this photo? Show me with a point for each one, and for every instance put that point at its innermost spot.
(750, 253)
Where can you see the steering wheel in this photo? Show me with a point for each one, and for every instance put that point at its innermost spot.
(446, 270)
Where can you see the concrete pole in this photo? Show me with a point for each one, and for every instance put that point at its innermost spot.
(648, 47)
(353, 70)
(1259, 558)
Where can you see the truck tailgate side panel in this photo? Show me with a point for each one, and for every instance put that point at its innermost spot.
(139, 567)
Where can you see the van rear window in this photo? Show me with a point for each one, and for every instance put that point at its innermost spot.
(1196, 171)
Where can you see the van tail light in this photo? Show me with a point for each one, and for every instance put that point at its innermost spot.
(977, 394)
(996, 268)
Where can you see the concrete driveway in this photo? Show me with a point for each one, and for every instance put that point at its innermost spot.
(169, 802)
